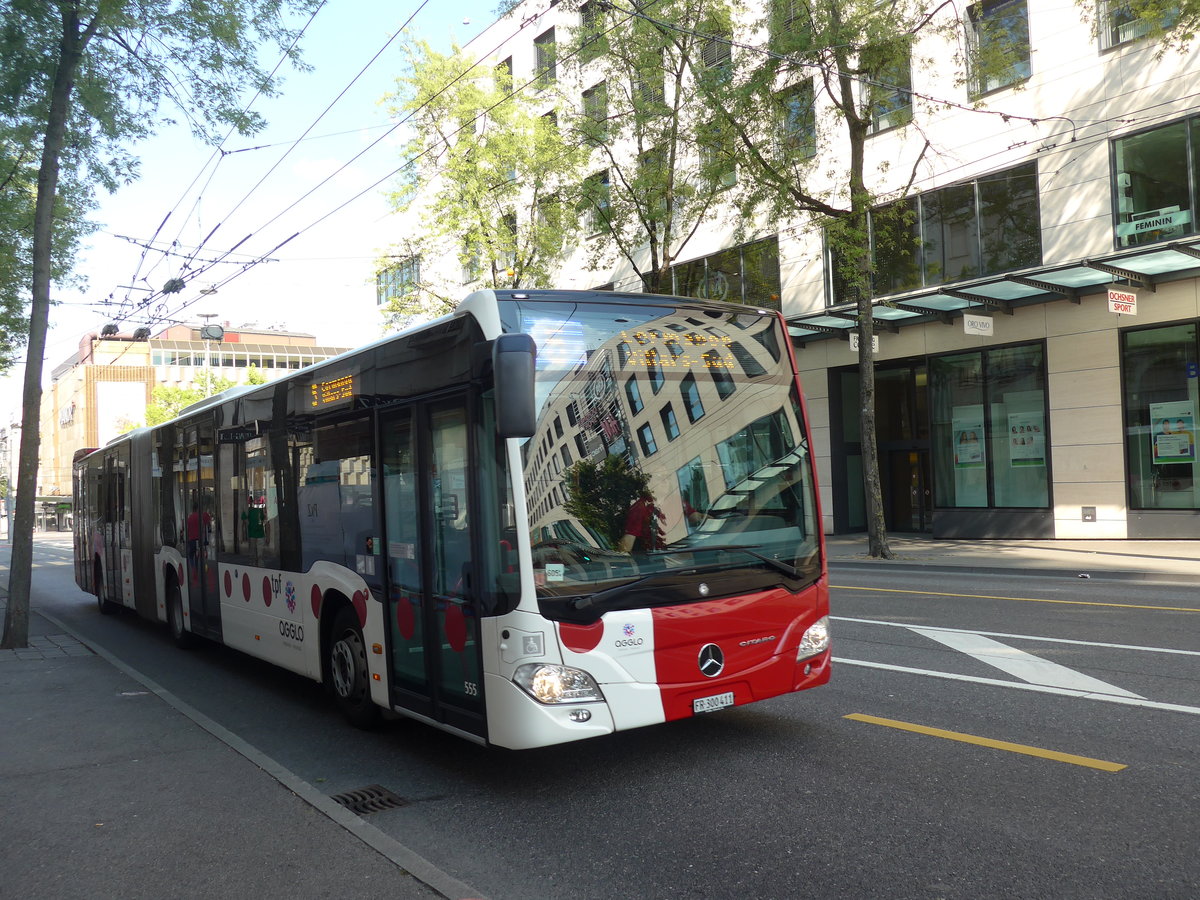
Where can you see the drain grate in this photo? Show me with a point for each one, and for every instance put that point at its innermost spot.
(370, 799)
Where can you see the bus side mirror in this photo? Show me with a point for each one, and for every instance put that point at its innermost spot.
(513, 358)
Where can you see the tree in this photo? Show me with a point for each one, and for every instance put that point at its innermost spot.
(18, 192)
(663, 158)
(83, 79)
(830, 73)
(600, 494)
(491, 180)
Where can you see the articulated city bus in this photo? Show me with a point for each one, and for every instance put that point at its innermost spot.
(547, 516)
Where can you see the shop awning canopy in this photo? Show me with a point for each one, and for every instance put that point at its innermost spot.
(1143, 267)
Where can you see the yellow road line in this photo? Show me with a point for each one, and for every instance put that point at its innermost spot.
(988, 742)
(843, 587)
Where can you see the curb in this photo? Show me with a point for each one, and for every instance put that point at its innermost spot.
(946, 569)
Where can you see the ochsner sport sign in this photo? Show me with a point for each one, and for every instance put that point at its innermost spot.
(1122, 300)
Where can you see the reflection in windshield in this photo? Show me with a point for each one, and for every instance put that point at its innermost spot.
(669, 440)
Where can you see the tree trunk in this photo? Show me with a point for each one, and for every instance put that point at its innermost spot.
(860, 201)
(16, 616)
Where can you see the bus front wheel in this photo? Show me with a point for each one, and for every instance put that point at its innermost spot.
(348, 673)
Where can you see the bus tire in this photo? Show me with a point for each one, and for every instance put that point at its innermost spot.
(348, 673)
(183, 638)
(106, 606)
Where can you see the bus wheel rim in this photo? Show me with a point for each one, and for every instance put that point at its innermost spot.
(345, 668)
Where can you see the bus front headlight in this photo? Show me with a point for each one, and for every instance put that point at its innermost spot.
(815, 640)
(551, 684)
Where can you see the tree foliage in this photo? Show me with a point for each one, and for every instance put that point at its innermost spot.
(662, 158)
(80, 82)
(492, 178)
(600, 494)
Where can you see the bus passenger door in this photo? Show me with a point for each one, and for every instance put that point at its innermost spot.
(200, 530)
(433, 619)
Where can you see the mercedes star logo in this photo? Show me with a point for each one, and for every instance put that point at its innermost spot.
(712, 660)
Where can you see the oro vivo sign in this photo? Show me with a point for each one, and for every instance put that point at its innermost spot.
(1122, 300)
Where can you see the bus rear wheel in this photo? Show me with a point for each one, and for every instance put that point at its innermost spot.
(183, 638)
(106, 606)
(348, 673)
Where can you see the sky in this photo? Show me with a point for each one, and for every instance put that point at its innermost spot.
(264, 190)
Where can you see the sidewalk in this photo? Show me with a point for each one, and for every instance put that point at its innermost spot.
(1159, 561)
(113, 787)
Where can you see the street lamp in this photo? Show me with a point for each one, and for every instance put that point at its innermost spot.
(208, 334)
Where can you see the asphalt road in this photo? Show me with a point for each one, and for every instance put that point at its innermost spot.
(1056, 750)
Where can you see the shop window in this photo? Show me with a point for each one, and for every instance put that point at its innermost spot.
(985, 226)
(1151, 171)
(748, 273)
(1161, 398)
(990, 444)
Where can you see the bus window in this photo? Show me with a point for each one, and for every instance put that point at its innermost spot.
(336, 499)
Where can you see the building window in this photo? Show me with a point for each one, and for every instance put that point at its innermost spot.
(397, 281)
(634, 395)
(670, 425)
(718, 368)
(890, 96)
(690, 392)
(591, 27)
(654, 370)
(1120, 24)
(545, 69)
(693, 491)
(597, 196)
(990, 441)
(716, 56)
(748, 273)
(595, 113)
(1154, 173)
(791, 25)
(646, 439)
(718, 155)
(1161, 399)
(504, 75)
(982, 227)
(998, 39)
(472, 262)
(797, 120)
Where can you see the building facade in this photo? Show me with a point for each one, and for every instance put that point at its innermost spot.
(1036, 281)
(103, 389)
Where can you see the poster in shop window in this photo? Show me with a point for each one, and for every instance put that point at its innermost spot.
(967, 428)
(1026, 439)
(1173, 438)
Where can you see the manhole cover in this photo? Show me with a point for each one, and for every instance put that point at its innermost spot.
(370, 799)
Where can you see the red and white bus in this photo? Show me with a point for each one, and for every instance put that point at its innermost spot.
(547, 516)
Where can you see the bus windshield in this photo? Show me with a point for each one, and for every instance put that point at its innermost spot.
(670, 450)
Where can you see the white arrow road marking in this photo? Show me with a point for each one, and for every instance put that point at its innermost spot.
(1023, 665)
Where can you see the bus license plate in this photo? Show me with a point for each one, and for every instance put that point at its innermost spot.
(711, 704)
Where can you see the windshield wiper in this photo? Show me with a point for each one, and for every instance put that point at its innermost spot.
(776, 564)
